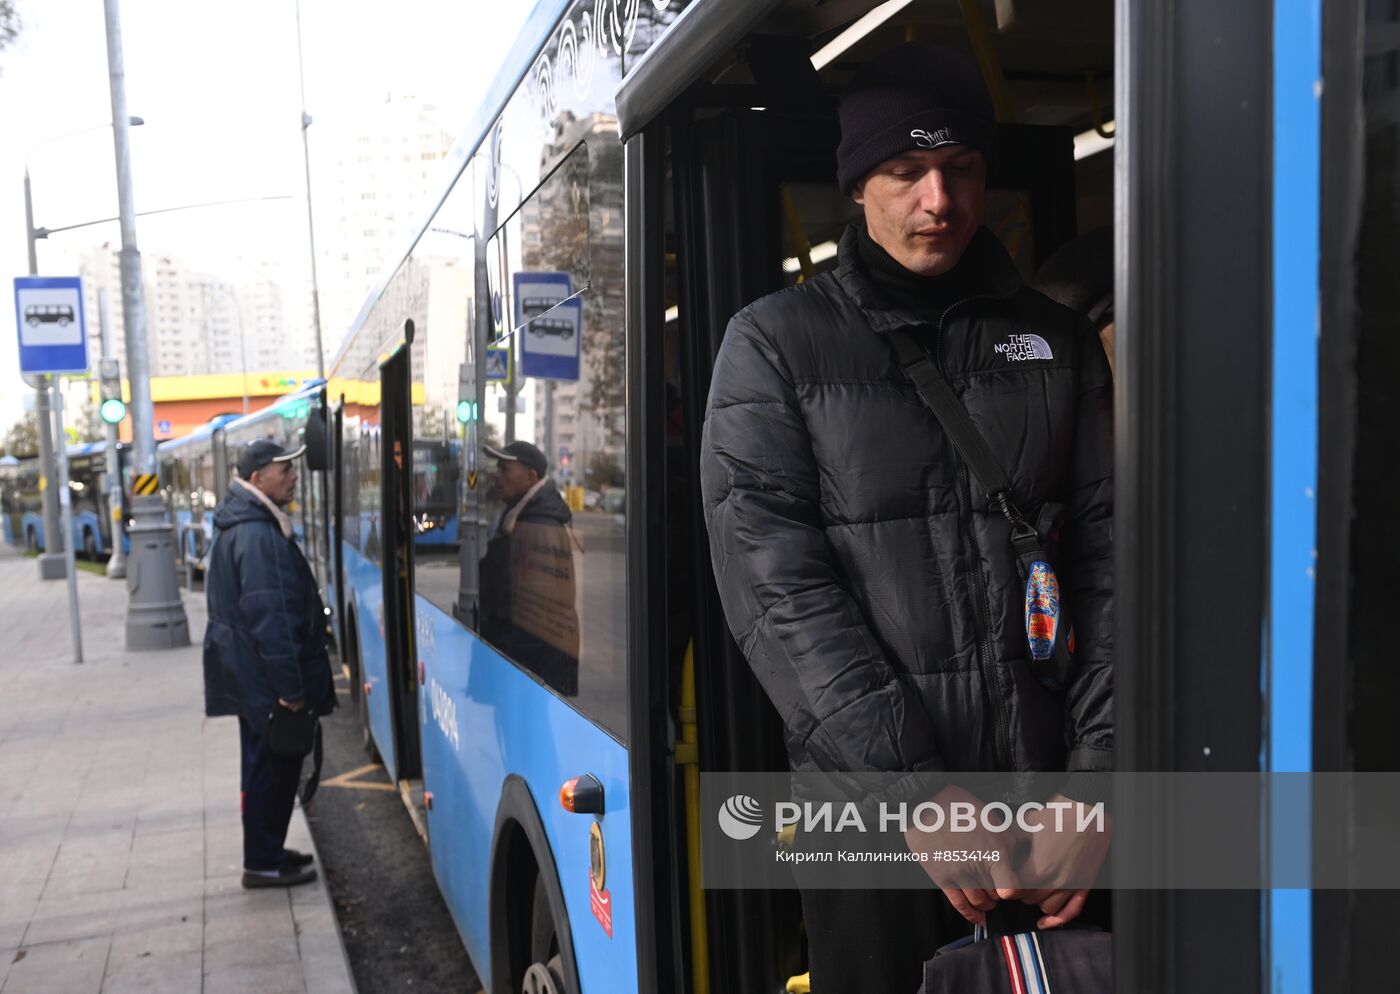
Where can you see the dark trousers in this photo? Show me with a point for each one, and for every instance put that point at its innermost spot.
(269, 790)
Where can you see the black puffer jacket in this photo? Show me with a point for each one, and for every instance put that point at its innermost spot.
(266, 636)
(869, 584)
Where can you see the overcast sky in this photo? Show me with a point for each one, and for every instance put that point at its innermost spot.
(217, 86)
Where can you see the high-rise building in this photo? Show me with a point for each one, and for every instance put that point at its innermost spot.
(198, 323)
(388, 162)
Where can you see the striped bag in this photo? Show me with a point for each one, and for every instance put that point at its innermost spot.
(1071, 960)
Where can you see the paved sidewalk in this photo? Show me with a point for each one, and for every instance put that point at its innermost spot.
(120, 840)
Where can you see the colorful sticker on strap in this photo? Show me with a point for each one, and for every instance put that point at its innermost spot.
(1042, 611)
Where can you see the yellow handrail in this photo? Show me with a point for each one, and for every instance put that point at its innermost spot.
(1095, 113)
(987, 59)
(802, 248)
(688, 757)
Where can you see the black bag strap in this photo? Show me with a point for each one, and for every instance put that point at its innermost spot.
(939, 398)
(308, 789)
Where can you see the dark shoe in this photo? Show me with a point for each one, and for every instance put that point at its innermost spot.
(296, 860)
(288, 876)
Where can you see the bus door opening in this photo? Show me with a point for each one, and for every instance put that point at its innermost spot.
(755, 206)
(396, 561)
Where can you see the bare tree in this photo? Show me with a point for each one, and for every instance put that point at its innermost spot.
(22, 440)
(10, 23)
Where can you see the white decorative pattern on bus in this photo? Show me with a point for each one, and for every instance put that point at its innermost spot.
(570, 56)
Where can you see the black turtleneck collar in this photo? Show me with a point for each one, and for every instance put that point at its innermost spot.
(880, 284)
(927, 297)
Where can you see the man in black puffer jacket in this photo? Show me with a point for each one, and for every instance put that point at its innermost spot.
(868, 579)
(264, 649)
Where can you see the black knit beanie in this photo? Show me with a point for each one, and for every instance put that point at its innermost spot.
(914, 96)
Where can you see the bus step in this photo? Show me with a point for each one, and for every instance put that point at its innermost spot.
(412, 793)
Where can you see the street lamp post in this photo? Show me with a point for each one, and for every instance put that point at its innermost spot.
(310, 216)
(155, 617)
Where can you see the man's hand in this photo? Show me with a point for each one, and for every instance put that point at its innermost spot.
(1057, 861)
(291, 705)
(970, 887)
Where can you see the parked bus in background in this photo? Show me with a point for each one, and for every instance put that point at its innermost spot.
(19, 492)
(195, 472)
(190, 478)
(435, 482)
(88, 490)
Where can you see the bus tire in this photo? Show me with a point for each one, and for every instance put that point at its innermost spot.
(31, 541)
(545, 974)
(89, 544)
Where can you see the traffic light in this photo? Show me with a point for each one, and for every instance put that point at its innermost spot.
(110, 384)
(467, 411)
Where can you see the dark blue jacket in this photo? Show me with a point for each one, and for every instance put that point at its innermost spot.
(266, 636)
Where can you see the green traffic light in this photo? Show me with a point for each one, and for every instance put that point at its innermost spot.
(112, 410)
(465, 411)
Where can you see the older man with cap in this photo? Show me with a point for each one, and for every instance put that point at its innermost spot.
(265, 650)
(865, 570)
(528, 575)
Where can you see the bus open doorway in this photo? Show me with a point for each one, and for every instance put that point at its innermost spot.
(396, 558)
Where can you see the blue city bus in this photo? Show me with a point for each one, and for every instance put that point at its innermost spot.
(23, 512)
(192, 482)
(19, 498)
(658, 166)
(435, 486)
(195, 471)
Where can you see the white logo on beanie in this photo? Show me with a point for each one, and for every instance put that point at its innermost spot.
(932, 139)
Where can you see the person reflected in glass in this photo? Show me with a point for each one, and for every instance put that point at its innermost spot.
(528, 576)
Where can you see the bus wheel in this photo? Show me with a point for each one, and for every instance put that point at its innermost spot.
(31, 542)
(89, 544)
(543, 978)
(545, 974)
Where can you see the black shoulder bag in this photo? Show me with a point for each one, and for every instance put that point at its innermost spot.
(1049, 635)
(294, 734)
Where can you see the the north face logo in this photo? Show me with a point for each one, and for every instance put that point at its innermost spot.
(1019, 348)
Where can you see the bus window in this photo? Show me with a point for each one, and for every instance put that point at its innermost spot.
(552, 575)
(206, 484)
(350, 484)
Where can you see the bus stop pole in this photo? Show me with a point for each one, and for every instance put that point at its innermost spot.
(65, 505)
(50, 562)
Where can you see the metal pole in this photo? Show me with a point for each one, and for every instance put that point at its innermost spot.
(243, 357)
(65, 501)
(50, 559)
(310, 218)
(116, 565)
(155, 617)
(29, 226)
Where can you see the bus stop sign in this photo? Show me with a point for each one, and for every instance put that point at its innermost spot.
(49, 317)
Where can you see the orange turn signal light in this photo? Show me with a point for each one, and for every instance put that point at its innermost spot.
(582, 795)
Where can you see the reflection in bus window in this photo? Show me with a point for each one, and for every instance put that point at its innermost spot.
(545, 291)
(529, 574)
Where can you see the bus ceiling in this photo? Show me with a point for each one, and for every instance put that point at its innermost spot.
(1045, 64)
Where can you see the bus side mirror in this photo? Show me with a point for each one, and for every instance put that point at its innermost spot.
(318, 439)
